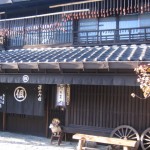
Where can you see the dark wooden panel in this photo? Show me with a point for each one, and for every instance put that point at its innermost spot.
(1, 121)
(26, 124)
(108, 107)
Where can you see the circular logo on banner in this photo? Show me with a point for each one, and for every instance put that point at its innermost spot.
(25, 78)
(20, 94)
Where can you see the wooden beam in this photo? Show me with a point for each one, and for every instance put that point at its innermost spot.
(106, 140)
(74, 3)
(49, 14)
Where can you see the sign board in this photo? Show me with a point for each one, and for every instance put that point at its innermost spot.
(61, 97)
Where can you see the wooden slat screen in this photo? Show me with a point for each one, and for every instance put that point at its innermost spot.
(108, 107)
(1, 121)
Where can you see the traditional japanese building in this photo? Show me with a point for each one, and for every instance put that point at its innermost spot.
(73, 60)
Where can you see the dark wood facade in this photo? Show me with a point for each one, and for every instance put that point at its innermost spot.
(25, 124)
(106, 107)
(30, 124)
(1, 120)
(94, 109)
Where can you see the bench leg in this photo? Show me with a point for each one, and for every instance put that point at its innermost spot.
(125, 148)
(80, 144)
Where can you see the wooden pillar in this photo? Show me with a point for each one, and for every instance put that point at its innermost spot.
(47, 112)
(4, 121)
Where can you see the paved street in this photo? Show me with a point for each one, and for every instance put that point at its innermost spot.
(12, 141)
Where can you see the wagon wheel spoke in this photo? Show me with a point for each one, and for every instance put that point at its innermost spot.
(134, 138)
(129, 133)
(145, 139)
(147, 147)
(147, 136)
(131, 136)
(125, 132)
(147, 143)
(117, 135)
(120, 133)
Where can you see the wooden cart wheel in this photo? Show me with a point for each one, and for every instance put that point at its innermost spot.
(126, 132)
(145, 139)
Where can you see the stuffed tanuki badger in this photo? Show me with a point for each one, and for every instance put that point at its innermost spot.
(56, 130)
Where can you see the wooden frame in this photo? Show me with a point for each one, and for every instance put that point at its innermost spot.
(74, 3)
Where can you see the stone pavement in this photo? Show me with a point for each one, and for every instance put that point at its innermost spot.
(13, 141)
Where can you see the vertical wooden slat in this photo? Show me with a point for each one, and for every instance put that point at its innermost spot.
(126, 99)
(115, 108)
(108, 99)
(4, 121)
(103, 108)
(75, 105)
(98, 106)
(47, 114)
(78, 105)
(87, 112)
(111, 106)
(94, 105)
(108, 107)
(84, 106)
(101, 91)
(121, 104)
(81, 106)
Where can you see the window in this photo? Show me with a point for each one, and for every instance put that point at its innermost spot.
(108, 24)
(87, 28)
(127, 22)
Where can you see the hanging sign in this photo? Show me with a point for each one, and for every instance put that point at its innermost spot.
(40, 93)
(67, 94)
(63, 95)
(2, 100)
(60, 99)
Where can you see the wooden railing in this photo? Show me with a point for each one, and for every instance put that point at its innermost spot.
(112, 36)
(47, 36)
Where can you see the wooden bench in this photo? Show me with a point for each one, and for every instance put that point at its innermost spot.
(105, 140)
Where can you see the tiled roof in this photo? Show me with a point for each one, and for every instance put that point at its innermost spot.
(70, 55)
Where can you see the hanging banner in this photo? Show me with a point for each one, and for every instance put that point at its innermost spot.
(25, 99)
(2, 98)
(67, 94)
(61, 96)
(2, 103)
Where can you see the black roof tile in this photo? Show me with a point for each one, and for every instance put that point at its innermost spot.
(76, 55)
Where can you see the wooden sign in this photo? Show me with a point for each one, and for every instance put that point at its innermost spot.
(63, 95)
(61, 98)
